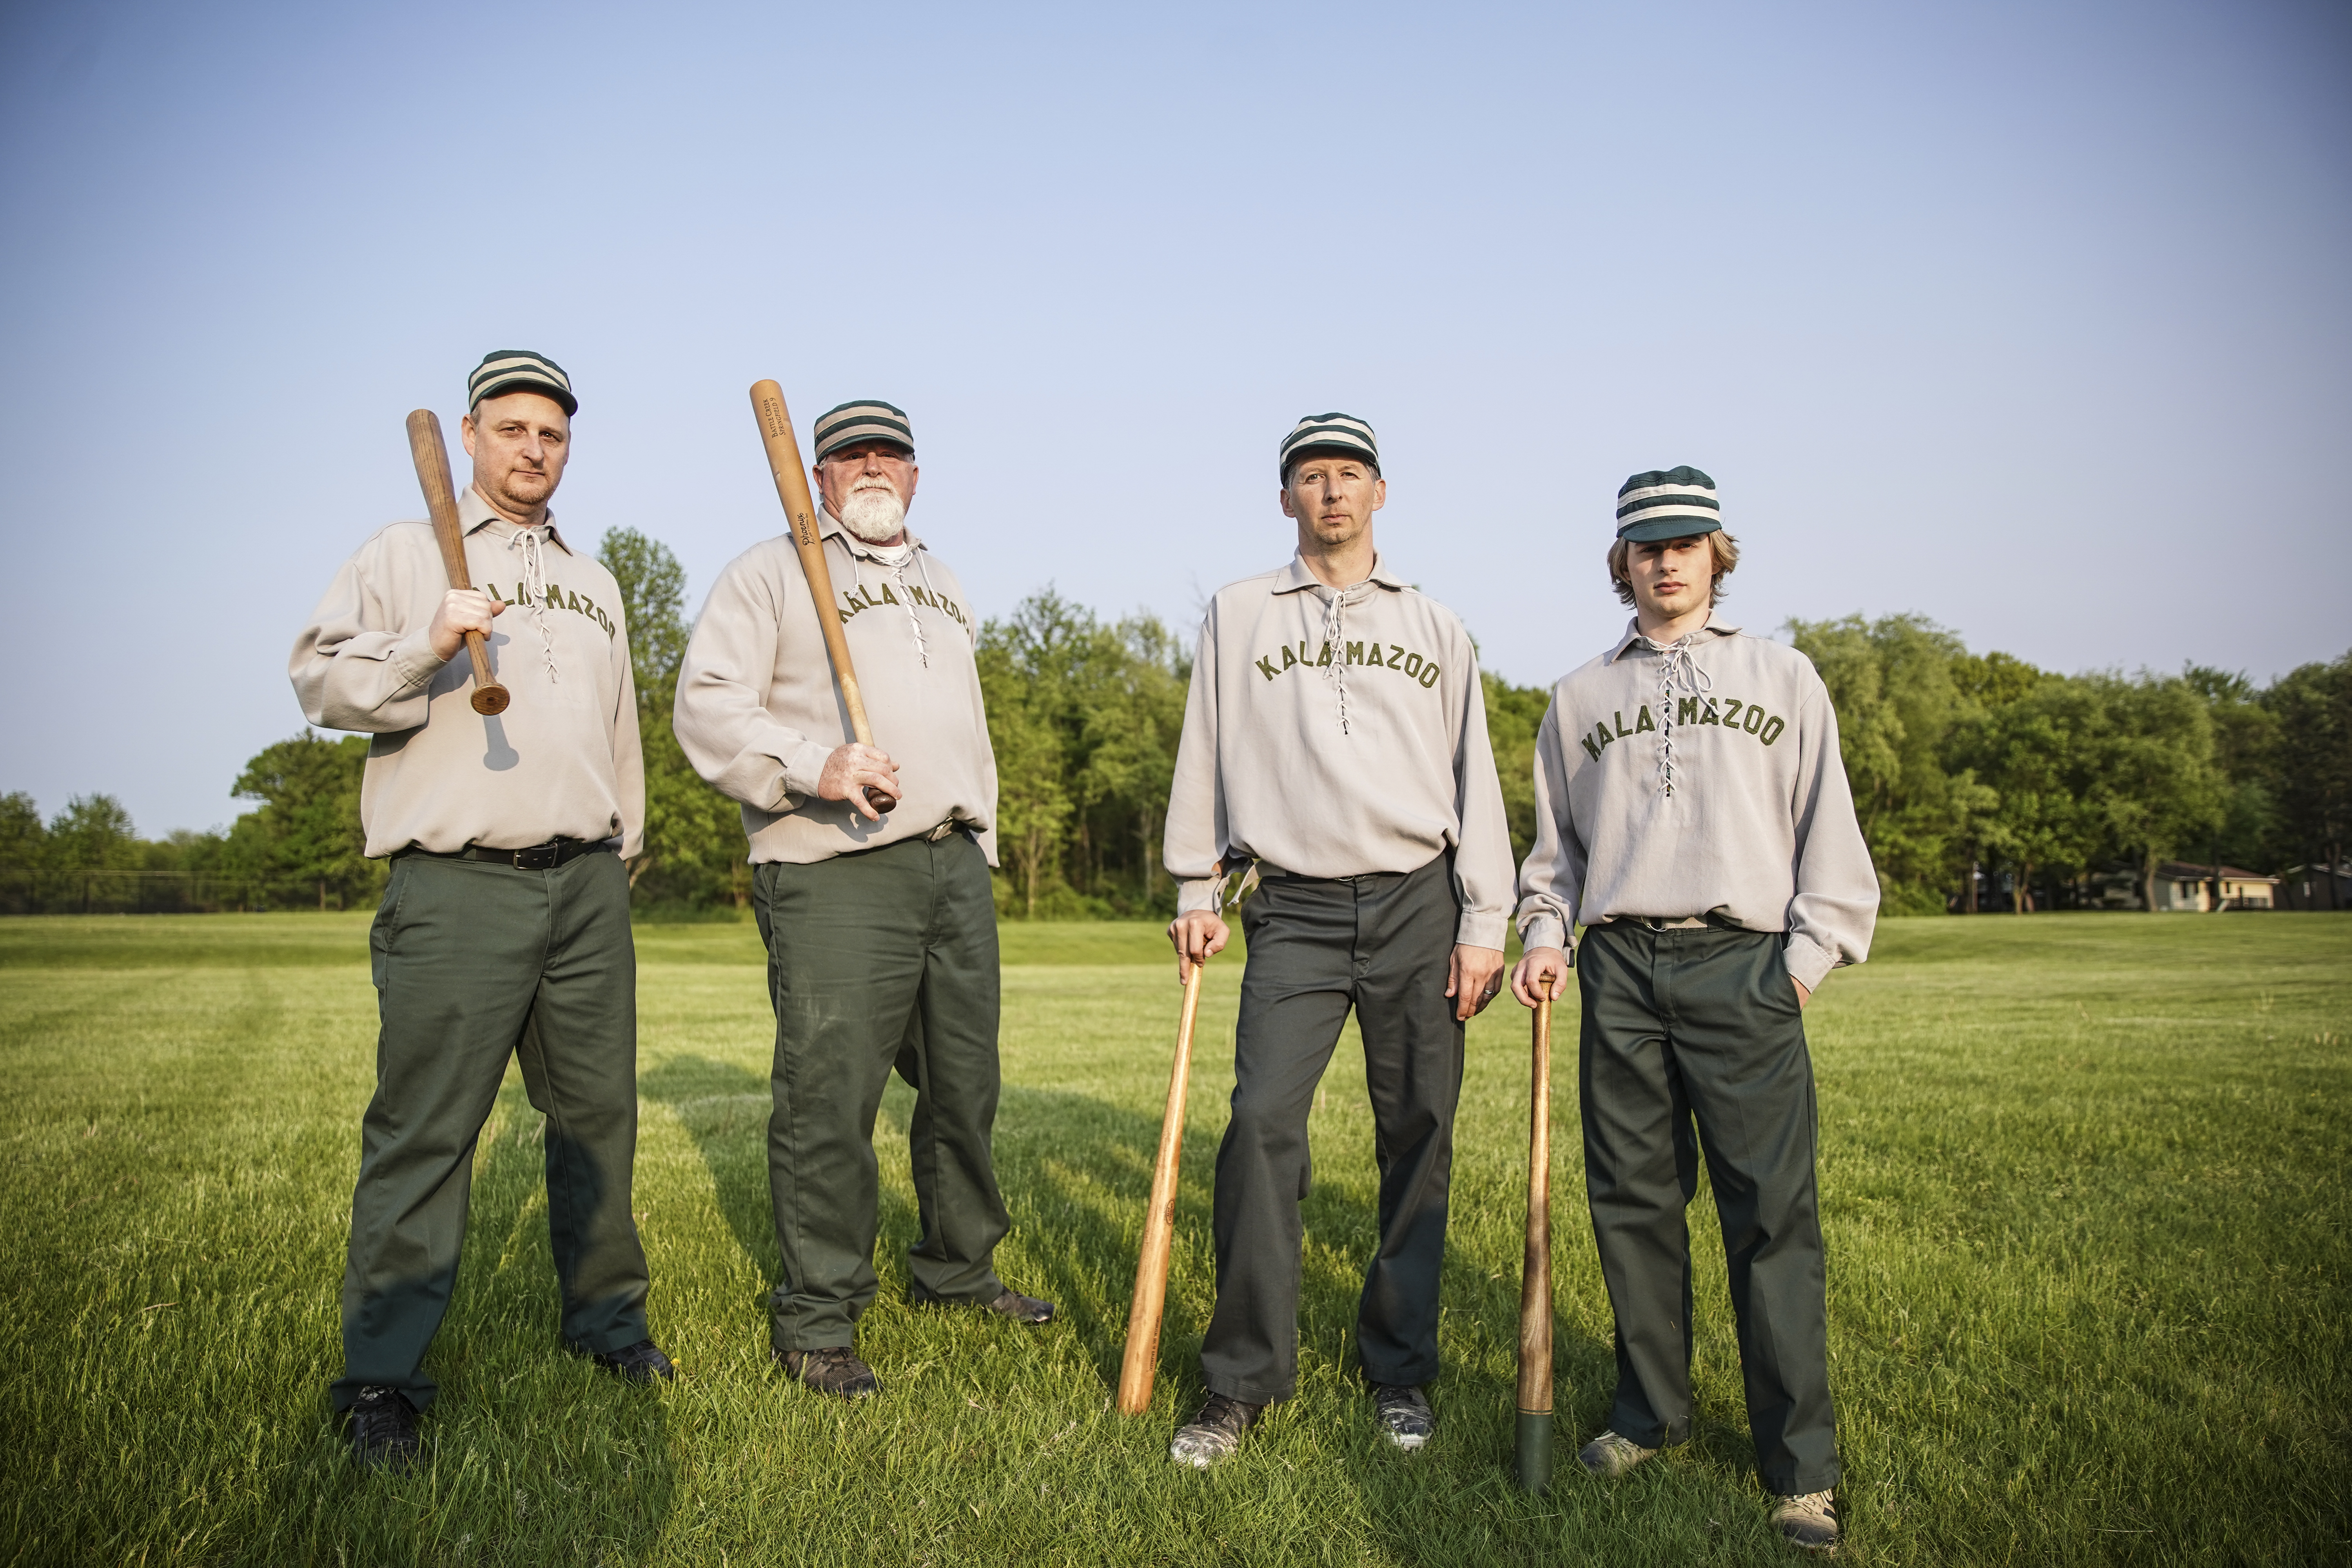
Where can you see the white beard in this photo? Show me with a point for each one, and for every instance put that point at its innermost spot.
(874, 515)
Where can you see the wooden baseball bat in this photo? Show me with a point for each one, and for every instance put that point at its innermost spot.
(1142, 1362)
(1534, 1446)
(791, 489)
(432, 455)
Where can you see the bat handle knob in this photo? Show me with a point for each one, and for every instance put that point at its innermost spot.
(879, 800)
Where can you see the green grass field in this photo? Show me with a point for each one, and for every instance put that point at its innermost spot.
(2083, 1180)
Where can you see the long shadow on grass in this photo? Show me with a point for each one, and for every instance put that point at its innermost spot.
(725, 1110)
(531, 1454)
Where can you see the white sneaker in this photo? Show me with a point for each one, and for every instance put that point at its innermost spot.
(1809, 1521)
(1609, 1456)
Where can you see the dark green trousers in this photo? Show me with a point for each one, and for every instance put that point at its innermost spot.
(880, 959)
(1318, 947)
(1693, 1040)
(474, 964)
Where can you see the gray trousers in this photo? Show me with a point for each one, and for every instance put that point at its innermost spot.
(1378, 943)
(475, 963)
(1693, 1040)
(880, 959)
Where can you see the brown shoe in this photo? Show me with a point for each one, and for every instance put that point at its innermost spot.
(835, 1370)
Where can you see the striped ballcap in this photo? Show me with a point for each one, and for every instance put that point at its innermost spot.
(1667, 503)
(870, 419)
(520, 370)
(1329, 433)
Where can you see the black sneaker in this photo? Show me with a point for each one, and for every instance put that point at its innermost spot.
(1022, 1308)
(834, 1369)
(383, 1429)
(639, 1363)
(1214, 1433)
(1403, 1414)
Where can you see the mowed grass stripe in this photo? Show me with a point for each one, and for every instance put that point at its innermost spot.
(2082, 1188)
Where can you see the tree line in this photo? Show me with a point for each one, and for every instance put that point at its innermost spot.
(1974, 775)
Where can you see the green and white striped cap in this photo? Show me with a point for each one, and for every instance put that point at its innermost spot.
(1667, 503)
(1329, 433)
(869, 420)
(520, 370)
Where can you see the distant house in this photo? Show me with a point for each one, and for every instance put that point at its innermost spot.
(2185, 888)
(2316, 887)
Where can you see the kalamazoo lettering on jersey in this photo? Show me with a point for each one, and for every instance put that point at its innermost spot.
(1415, 666)
(852, 604)
(1731, 714)
(559, 597)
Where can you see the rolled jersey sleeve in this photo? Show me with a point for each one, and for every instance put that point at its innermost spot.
(721, 713)
(1194, 843)
(1551, 882)
(355, 665)
(1836, 907)
(1482, 860)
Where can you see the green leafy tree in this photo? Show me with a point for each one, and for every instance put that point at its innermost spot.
(2245, 739)
(1514, 714)
(93, 833)
(307, 828)
(23, 840)
(2311, 761)
(2157, 787)
(1898, 704)
(694, 849)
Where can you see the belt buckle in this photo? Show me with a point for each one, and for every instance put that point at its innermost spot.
(942, 831)
(538, 858)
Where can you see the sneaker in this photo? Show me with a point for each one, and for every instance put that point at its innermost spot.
(1609, 1456)
(834, 1369)
(1214, 1433)
(383, 1429)
(1809, 1521)
(639, 1363)
(1022, 1308)
(1403, 1414)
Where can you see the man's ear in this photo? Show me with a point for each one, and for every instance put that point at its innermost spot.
(465, 432)
(1288, 510)
(1379, 494)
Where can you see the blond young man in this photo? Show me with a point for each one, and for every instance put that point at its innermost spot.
(1335, 746)
(1691, 813)
(504, 930)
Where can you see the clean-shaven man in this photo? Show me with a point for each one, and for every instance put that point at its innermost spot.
(1691, 813)
(1335, 744)
(504, 930)
(880, 928)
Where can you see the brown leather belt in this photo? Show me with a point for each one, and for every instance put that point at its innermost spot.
(544, 857)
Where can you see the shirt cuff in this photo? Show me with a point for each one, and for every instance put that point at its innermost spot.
(1809, 963)
(1542, 931)
(414, 660)
(1481, 928)
(802, 770)
(1197, 896)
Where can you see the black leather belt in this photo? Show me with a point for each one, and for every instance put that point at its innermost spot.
(544, 857)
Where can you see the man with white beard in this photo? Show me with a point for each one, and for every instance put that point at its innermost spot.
(880, 925)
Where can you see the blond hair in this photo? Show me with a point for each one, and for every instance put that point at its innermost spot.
(1724, 548)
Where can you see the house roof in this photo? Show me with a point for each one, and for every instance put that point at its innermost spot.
(2187, 870)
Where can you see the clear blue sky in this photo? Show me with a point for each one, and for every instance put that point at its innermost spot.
(2034, 318)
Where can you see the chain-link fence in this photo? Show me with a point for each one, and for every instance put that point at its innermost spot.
(155, 893)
